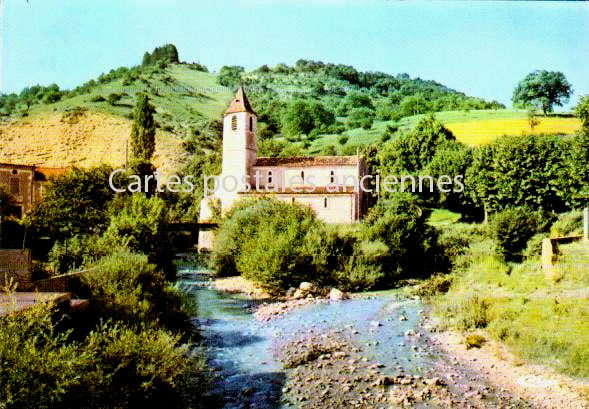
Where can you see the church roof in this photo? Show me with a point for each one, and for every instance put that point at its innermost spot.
(298, 161)
(240, 103)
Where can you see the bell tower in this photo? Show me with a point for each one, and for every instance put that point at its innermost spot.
(240, 149)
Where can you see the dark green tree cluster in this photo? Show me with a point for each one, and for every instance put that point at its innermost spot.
(301, 117)
(29, 96)
(230, 76)
(167, 54)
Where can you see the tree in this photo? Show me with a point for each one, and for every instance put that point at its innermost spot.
(515, 171)
(413, 151)
(143, 130)
(167, 54)
(230, 76)
(532, 119)
(543, 89)
(301, 117)
(74, 203)
(582, 111)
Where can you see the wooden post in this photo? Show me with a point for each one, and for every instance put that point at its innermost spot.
(586, 224)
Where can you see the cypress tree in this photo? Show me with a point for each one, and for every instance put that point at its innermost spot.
(143, 130)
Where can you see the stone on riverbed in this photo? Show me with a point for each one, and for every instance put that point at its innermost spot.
(337, 295)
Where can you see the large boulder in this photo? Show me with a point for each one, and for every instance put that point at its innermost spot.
(307, 288)
(337, 295)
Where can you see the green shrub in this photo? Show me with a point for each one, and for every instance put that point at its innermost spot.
(134, 369)
(261, 239)
(113, 367)
(568, 224)
(435, 285)
(141, 224)
(401, 224)
(76, 252)
(126, 287)
(534, 246)
(342, 140)
(455, 240)
(97, 98)
(513, 227)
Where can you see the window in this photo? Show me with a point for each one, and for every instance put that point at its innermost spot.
(251, 124)
(269, 177)
(303, 175)
(332, 176)
(234, 123)
(325, 202)
(292, 200)
(15, 186)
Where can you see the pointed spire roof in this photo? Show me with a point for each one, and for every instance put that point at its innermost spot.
(240, 103)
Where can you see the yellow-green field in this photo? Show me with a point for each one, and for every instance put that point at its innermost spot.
(481, 132)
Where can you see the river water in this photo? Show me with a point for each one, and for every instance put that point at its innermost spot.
(242, 349)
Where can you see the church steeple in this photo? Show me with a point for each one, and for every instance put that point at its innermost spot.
(240, 103)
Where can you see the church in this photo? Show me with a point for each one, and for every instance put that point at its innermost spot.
(330, 185)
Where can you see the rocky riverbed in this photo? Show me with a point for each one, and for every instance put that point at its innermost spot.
(312, 352)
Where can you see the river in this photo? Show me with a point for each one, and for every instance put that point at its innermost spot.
(243, 351)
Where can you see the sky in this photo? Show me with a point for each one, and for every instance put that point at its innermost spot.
(480, 48)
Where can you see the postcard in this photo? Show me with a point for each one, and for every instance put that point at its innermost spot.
(294, 204)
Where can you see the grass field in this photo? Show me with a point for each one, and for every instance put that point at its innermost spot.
(482, 132)
(543, 321)
(472, 128)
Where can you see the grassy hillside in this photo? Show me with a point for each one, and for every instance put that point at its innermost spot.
(91, 124)
(474, 128)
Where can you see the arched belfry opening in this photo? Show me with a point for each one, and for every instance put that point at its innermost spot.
(234, 123)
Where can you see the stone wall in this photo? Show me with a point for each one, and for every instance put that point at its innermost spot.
(16, 264)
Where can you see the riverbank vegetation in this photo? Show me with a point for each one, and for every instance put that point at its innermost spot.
(540, 319)
(279, 245)
(133, 348)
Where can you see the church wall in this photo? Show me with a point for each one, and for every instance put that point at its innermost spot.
(341, 208)
(321, 175)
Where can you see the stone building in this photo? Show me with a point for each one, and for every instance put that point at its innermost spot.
(25, 184)
(330, 185)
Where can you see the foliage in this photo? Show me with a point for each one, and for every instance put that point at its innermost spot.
(76, 251)
(301, 117)
(513, 227)
(329, 150)
(413, 151)
(167, 53)
(230, 76)
(568, 224)
(125, 287)
(74, 203)
(113, 367)
(451, 159)
(360, 118)
(261, 239)
(400, 223)
(582, 110)
(141, 224)
(543, 89)
(535, 171)
(143, 130)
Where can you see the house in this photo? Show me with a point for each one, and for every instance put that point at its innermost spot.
(333, 186)
(25, 184)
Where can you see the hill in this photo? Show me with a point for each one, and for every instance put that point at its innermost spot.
(329, 104)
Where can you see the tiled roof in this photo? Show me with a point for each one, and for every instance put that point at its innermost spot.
(240, 103)
(304, 161)
(50, 172)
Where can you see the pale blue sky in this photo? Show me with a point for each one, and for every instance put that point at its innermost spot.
(480, 48)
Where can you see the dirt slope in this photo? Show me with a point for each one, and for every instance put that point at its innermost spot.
(84, 140)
